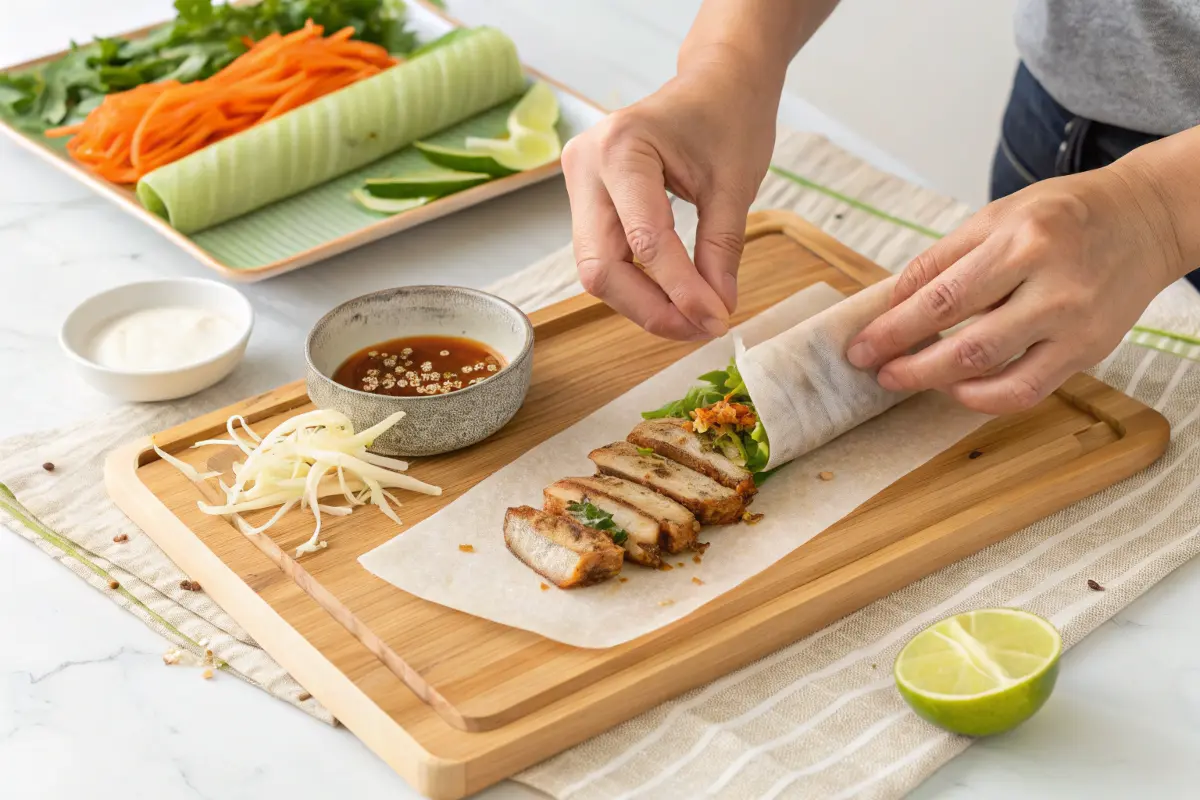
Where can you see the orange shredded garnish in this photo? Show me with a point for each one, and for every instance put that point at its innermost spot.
(723, 412)
(133, 133)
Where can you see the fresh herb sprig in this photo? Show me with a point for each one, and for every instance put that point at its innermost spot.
(203, 39)
(751, 448)
(593, 517)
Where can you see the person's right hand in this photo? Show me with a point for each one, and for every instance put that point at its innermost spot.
(707, 137)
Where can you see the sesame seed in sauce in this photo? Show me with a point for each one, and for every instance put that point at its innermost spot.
(424, 366)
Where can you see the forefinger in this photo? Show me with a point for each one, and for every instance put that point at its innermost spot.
(976, 282)
(605, 265)
(639, 193)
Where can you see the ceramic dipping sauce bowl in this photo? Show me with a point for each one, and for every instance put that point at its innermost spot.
(436, 423)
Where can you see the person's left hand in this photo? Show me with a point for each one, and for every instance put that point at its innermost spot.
(1058, 273)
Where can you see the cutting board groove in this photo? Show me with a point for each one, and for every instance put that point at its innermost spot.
(483, 700)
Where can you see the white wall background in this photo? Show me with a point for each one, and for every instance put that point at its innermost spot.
(925, 80)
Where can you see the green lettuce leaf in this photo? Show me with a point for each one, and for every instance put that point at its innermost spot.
(750, 448)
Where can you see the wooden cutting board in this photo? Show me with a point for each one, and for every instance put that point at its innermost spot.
(455, 703)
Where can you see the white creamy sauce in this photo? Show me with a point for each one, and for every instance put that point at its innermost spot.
(162, 338)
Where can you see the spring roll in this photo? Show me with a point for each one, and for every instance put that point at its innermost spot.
(805, 392)
(777, 400)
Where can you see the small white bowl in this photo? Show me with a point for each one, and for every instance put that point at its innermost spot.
(148, 386)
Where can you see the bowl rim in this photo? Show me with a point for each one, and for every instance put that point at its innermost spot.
(526, 348)
(239, 344)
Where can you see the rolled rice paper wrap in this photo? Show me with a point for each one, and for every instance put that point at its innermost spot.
(804, 390)
(335, 134)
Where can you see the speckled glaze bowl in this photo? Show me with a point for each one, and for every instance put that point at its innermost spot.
(436, 423)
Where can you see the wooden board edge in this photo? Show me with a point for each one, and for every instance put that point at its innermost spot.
(812, 238)
(427, 773)
(718, 660)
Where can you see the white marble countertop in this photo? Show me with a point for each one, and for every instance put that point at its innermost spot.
(86, 707)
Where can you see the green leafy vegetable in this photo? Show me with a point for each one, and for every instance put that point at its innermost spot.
(646, 451)
(593, 517)
(203, 39)
(749, 448)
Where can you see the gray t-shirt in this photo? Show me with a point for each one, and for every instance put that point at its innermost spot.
(1130, 63)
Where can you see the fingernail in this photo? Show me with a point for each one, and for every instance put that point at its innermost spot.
(861, 355)
(715, 327)
(887, 381)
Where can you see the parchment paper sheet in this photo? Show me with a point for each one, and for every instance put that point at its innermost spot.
(490, 582)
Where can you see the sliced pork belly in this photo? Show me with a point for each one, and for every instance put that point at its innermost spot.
(560, 549)
(655, 524)
(674, 439)
(712, 503)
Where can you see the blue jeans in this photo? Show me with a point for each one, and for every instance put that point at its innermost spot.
(1040, 139)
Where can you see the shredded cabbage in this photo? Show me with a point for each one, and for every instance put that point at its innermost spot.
(306, 458)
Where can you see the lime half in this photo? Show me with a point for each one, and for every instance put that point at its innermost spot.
(982, 672)
(381, 205)
(424, 184)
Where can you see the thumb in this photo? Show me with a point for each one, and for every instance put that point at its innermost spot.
(720, 234)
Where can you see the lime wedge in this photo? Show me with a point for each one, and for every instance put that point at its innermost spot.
(981, 672)
(532, 140)
(427, 184)
(463, 160)
(536, 111)
(381, 205)
(524, 149)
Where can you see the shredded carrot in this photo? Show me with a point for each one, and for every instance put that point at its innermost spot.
(134, 133)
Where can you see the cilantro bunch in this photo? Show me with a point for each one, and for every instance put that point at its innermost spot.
(592, 517)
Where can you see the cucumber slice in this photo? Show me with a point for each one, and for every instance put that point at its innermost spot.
(463, 160)
(428, 184)
(382, 205)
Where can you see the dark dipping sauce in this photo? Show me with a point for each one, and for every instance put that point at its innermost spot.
(419, 366)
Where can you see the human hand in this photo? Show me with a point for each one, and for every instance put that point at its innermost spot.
(1058, 273)
(706, 136)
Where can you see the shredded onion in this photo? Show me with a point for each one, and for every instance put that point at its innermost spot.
(306, 458)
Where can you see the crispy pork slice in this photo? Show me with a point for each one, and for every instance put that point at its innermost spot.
(560, 549)
(712, 503)
(654, 524)
(674, 439)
